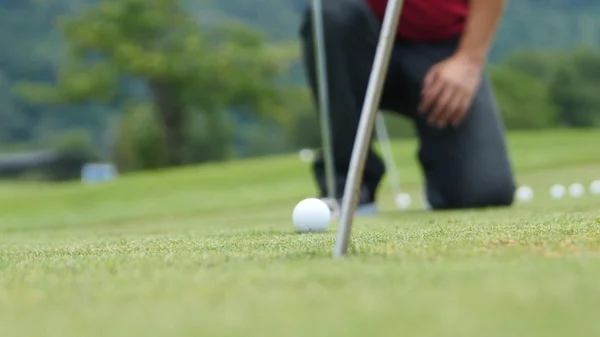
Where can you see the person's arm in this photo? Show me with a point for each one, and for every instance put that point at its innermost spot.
(482, 23)
(450, 85)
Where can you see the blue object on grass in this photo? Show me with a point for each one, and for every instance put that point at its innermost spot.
(98, 172)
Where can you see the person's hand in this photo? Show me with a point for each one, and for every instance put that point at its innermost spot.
(448, 90)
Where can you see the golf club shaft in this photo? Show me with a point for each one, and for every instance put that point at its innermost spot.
(388, 155)
(365, 126)
(323, 93)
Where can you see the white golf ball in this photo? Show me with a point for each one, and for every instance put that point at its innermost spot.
(576, 190)
(403, 200)
(558, 191)
(595, 187)
(306, 155)
(311, 215)
(524, 193)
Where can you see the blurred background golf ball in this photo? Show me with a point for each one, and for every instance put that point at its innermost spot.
(403, 201)
(558, 191)
(524, 193)
(576, 190)
(306, 155)
(595, 187)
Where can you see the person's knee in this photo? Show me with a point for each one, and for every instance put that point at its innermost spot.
(457, 194)
(496, 193)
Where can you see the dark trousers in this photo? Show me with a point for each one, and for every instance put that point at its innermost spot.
(464, 167)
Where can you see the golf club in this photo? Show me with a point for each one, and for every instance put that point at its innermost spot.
(381, 129)
(365, 126)
(388, 156)
(320, 56)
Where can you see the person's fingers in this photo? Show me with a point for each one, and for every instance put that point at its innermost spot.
(430, 96)
(463, 107)
(439, 112)
(452, 109)
(430, 91)
(430, 77)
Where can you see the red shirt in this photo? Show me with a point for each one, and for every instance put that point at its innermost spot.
(427, 20)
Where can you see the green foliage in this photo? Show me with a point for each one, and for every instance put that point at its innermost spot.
(571, 81)
(262, 139)
(301, 123)
(74, 141)
(140, 142)
(523, 100)
(209, 137)
(575, 89)
(79, 73)
(547, 26)
(11, 121)
(184, 70)
(540, 65)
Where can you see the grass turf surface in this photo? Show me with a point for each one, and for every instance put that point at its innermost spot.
(211, 251)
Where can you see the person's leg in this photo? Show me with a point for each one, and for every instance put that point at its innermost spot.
(351, 33)
(467, 166)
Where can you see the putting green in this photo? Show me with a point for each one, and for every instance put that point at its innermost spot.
(210, 251)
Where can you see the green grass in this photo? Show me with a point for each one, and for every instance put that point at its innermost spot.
(210, 251)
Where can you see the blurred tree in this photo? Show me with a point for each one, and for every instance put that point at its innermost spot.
(11, 122)
(570, 80)
(523, 100)
(75, 141)
(35, 49)
(302, 126)
(139, 140)
(575, 89)
(556, 25)
(541, 65)
(153, 50)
